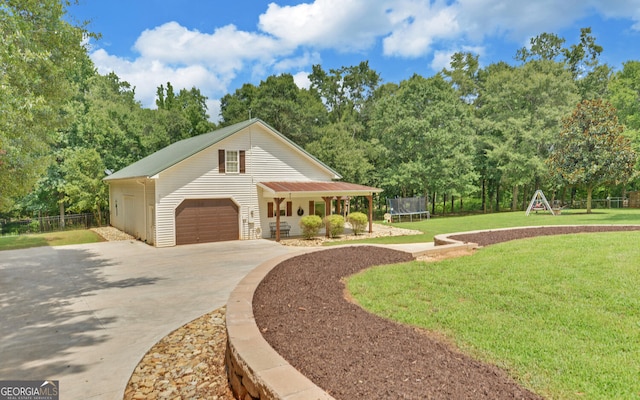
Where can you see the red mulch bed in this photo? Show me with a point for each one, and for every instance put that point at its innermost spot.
(492, 237)
(302, 312)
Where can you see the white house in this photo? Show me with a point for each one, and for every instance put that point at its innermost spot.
(234, 183)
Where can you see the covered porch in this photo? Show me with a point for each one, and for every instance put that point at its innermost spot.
(326, 191)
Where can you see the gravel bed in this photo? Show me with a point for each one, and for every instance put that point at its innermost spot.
(186, 364)
(110, 233)
(379, 230)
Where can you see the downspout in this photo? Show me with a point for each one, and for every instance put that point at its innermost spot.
(144, 206)
(252, 187)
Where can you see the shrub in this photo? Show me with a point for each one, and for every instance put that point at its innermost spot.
(310, 225)
(336, 225)
(34, 226)
(358, 222)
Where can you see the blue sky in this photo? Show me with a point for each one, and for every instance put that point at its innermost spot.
(217, 46)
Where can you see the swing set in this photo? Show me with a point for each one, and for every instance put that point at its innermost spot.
(540, 203)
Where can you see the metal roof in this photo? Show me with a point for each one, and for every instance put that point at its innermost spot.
(179, 151)
(303, 189)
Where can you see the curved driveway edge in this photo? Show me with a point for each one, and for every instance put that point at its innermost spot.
(86, 314)
(253, 366)
(255, 369)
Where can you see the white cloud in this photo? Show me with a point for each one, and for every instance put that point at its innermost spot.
(147, 74)
(302, 80)
(418, 25)
(518, 19)
(342, 25)
(213, 109)
(305, 60)
(620, 9)
(188, 58)
(225, 50)
(292, 38)
(441, 60)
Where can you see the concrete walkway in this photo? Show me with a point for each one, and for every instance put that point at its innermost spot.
(86, 314)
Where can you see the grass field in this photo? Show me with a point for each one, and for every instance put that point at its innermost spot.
(438, 225)
(561, 313)
(48, 239)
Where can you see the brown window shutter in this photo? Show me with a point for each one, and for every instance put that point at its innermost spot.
(242, 162)
(289, 208)
(312, 207)
(270, 209)
(221, 161)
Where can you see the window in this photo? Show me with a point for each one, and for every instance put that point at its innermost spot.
(284, 212)
(232, 164)
(231, 161)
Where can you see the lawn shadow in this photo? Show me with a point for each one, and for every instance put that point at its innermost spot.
(42, 324)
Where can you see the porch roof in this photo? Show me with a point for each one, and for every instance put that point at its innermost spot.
(320, 189)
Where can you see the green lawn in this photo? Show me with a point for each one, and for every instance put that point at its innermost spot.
(49, 239)
(438, 225)
(561, 313)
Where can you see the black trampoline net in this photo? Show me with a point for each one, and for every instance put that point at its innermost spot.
(407, 205)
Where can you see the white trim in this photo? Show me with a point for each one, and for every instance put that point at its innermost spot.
(268, 192)
(226, 161)
(194, 197)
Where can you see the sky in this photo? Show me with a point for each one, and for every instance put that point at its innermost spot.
(217, 46)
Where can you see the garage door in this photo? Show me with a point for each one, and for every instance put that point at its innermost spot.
(206, 220)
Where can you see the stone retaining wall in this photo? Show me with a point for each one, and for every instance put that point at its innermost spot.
(255, 370)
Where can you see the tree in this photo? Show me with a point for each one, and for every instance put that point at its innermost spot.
(581, 60)
(591, 149)
(185, 114)
(624, 95)
(464, 75)
(521, 108)
(296, 113)
(345, 90)
(108, 119)
(289, 109)
(581, 57)
(84, 188)
(341, 151)
(549, 47)
(37, 52)
(236, 107)
(427, 131)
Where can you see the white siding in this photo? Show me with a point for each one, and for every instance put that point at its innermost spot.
(127, 209)
(293, 220)
(268, 158)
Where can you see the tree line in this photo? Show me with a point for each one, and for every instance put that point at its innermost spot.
(556, 119)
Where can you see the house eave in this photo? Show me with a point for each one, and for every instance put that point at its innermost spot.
(314, 189)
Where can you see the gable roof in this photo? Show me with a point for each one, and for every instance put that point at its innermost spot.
(174, 153)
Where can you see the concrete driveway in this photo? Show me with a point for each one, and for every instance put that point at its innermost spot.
(86, 314)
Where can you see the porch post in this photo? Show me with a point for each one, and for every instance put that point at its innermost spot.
(278, 200)
(370, 198)
(327, 212)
